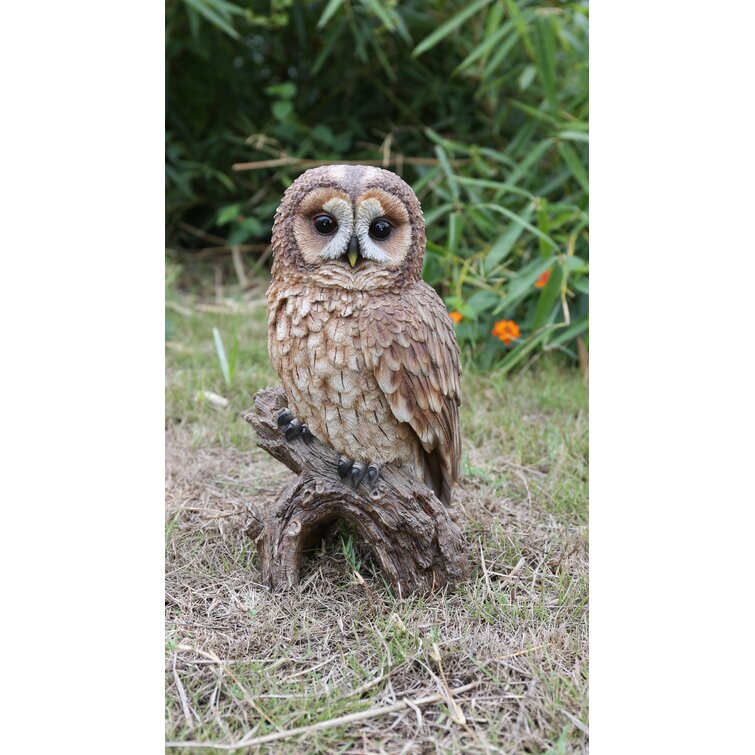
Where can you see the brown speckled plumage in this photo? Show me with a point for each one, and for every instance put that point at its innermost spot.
(367, 355)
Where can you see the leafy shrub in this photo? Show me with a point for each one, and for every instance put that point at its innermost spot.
(490, 95)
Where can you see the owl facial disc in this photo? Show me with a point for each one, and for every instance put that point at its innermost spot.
(353, 227)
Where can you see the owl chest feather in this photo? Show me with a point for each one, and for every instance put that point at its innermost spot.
(316, 347)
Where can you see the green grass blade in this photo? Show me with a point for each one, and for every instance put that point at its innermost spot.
(233, 359)
(222, 359)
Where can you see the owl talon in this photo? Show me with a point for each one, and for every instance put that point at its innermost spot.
(372, 474)
(357, 472)
(306, 434)
(344, 467)
(293, 429)
(284, 417)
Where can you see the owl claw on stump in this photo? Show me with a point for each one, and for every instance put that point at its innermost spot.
(356, 471)
(292, 427)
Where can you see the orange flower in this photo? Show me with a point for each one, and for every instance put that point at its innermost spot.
(506, 331)
(543, 279)
(456, 316)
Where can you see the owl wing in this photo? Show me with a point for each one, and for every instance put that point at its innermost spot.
(409, 343)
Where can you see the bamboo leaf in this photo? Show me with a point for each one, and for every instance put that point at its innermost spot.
(504, 244)
(576, 136)
(497, 58)
(453, 232)
(376, 7)
(437, 212)
(545, 56)
(529, 161)
(330, 10)
(520, 20)
(521, 221)
(484, 48)
(575, 165)
(523, 284)
(548, 297)
(520, 351)
(327, 48)
(568, 333)
(219, 19)
(445, 29)
(446, 168)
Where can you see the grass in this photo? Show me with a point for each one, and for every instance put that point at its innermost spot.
(241, 661)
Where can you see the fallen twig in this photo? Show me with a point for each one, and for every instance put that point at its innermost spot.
(200, 234)
(381, 710)
(226, 249)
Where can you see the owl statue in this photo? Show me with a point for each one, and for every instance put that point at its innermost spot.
(364, 348)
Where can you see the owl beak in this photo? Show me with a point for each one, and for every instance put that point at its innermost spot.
(352, 253)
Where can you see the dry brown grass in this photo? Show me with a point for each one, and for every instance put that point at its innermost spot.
(288, 660)
(242, 663)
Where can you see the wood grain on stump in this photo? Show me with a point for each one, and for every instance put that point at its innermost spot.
(409, 531)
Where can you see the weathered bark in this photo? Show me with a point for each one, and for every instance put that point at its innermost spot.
(409, 531)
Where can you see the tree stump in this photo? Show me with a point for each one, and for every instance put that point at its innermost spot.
(410, 532)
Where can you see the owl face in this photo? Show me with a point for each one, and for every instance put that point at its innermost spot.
(351, 227)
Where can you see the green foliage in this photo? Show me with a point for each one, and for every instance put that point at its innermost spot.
(493, 91)
(349, 552)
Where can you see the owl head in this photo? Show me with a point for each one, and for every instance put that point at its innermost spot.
(349, 226)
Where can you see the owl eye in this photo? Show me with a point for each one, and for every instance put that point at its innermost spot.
(325, 224)
(380, 229)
